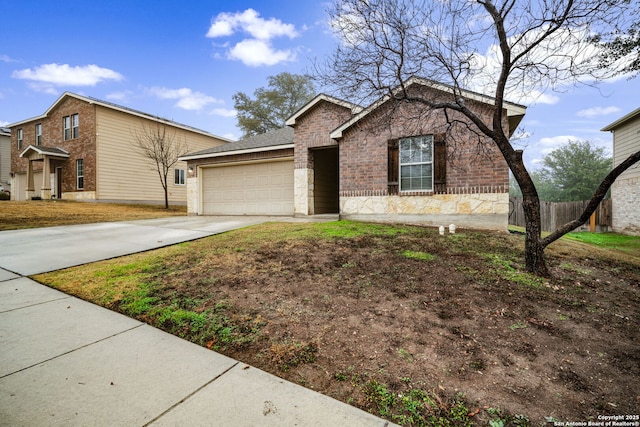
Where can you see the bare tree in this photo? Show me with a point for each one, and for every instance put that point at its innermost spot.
(161, 146)
(501, 48)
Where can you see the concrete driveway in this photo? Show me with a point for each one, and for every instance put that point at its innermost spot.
(39, 250)
(67, 362)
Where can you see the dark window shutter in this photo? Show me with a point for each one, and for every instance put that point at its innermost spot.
(440, 162)
(393, 165)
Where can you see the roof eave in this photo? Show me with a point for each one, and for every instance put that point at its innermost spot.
(235, 152)
(291, 121)
(621, 121)
(515, 112)
(38, 150)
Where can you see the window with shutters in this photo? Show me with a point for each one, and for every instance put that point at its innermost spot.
(417, 164)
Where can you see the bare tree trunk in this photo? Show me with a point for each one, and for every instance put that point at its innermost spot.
(533, 248)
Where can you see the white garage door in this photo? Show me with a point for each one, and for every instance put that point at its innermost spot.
(249, 189)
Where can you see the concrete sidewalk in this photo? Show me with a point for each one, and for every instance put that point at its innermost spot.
(64, 361)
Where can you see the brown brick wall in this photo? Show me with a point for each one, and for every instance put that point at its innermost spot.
(472, 161)
(313, 128)
(82, 147)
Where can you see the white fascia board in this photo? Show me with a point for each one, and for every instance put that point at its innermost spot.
(236, 152)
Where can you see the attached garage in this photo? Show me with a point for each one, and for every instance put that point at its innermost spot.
(264, 188)
(250, 177)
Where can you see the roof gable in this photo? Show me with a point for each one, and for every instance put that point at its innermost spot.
(291, 121)
(515, 112)
(120, 108)
(49, 151)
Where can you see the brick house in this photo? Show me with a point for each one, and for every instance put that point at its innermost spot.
(5, 158)
(625, 191)
(387, 162)
(83, 148)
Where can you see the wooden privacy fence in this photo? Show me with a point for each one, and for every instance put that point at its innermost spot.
(555, 214)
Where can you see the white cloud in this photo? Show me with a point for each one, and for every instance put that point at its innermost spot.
(223, 112)
(254, 53)
(256, 50)
(3, 123)
(597, 112)
(187, 99)
(249, 21)
(230, 136)
(50, 75)
(7, 58)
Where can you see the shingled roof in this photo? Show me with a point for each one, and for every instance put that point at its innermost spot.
(276, 139)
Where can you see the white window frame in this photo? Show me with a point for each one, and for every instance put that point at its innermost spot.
(66, 128)
(80, 174)
(179, 177)
(414, 160)
(39, 134)
(75, 126)
(20, 138)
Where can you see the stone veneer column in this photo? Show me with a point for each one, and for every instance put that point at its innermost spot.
(192, 195)
(303, 191)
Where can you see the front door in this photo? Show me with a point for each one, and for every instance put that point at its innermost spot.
(58, 182)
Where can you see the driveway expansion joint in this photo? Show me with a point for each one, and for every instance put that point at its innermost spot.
(188, 396)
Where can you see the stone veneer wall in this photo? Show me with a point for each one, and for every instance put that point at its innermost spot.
(625, 195)
(477, 211)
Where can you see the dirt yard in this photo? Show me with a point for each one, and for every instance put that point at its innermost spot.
(371, 314)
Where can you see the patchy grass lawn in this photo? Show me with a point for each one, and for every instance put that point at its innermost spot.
(415, 327)
(48, 213)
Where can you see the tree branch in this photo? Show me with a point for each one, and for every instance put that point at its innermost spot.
(599, 194)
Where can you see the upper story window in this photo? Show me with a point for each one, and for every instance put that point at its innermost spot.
(20, 138)
(71, 126)
(179, 177)
(39, 134)
(75, 126)
(416, 163)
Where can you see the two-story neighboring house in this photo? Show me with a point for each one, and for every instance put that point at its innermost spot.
(625, 191)
(83, 148)
(5, 158)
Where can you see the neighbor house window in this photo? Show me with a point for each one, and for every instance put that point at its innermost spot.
(80, 173)
(66, 125)
(71, 126)
(416, 163)
(179, 177)
(39, 134)
(20, 137)
(75, 126)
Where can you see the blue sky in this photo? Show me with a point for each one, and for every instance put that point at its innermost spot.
(185, 60)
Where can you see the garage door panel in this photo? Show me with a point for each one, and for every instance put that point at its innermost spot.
(249, 189)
